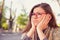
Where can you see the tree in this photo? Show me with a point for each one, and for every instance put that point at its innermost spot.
(22, 18)
(11, 19)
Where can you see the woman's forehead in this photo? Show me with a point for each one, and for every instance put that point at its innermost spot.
(39, 10)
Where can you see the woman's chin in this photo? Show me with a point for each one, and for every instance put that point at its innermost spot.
(36, 24)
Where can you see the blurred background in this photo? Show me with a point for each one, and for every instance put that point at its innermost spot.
(14, 13)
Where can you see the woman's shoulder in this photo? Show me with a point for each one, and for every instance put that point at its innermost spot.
(57, 30)
(56, 34)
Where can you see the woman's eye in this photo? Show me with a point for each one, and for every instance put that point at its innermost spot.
(39, 14)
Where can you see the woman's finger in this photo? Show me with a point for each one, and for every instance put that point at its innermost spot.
(47, 19)
(40, 23)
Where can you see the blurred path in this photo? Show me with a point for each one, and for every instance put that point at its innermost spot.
(10, 36)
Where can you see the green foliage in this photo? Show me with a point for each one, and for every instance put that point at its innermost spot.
(22, 19)
(5, 26)
(3, 15)
(21, 26)
(3, 20)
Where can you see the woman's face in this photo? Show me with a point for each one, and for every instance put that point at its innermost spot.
(37, 14)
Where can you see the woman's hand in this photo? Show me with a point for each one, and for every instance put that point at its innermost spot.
(43, 24)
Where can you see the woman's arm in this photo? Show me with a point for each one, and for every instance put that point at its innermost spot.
(41, 34)
(27, 36)
(31, 32)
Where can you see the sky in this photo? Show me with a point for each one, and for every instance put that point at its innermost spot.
(28, 4)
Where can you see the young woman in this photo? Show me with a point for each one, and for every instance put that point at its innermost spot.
(42, 24)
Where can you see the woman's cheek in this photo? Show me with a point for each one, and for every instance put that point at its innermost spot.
(35, 22)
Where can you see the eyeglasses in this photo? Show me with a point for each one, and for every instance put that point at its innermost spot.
(38, 13)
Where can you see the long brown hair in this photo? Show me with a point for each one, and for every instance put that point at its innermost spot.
(47, 8)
